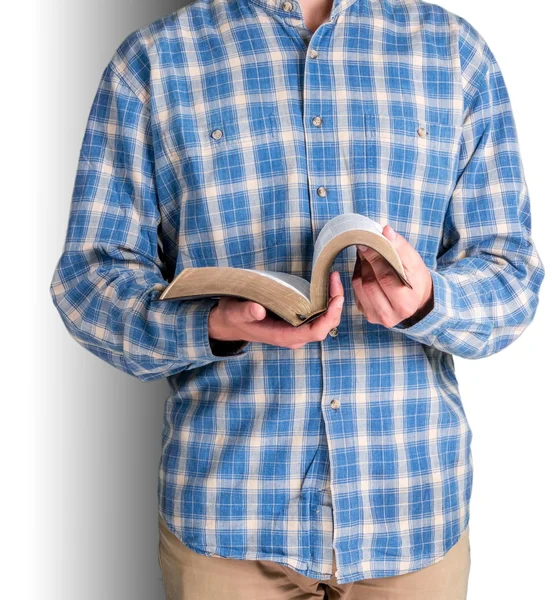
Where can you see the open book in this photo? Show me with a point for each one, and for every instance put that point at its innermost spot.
(290, 297)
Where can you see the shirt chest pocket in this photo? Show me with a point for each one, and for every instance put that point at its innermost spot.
(405, 172)
(231, 212)
(410, 154)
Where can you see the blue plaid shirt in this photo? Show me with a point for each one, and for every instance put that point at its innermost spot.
(202, 149)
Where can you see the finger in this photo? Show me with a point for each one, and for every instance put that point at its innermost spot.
(336, 284)
(361, 309)
(270, 329)
(380, 308)
(252, 311)
(384, 272)
(410, 258)
(318, 329)
(242, 311)
(397, 294)
(362, 273)
(333, 315)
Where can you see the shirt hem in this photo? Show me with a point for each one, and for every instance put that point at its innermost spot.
(414, 566)
(301, 566)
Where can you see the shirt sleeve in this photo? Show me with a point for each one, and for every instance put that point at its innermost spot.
(488, 272)
(109, 276)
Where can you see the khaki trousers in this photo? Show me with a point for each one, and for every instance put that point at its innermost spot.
(188, 575)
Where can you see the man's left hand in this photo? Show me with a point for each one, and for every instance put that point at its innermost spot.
(379, 293)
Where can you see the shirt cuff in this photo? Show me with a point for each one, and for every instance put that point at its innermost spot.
(435, 320)
(193, 335)
(227, 347)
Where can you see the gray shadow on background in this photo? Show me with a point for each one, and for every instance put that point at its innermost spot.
(99, 457)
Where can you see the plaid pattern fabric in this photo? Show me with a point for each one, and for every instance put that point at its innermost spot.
(202, 149)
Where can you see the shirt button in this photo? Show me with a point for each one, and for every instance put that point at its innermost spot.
(422, 132)
(313, 53)
(287, 6)
(333, 332)
(335, 403)
(216, 134)
(321, 191)
(317, 121)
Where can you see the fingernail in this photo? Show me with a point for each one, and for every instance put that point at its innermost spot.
(340, 301)
(362, 248)
(392, 232)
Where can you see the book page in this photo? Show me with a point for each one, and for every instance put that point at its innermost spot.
(300, 285)
(340, 224)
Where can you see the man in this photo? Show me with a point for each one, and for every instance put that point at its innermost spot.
(297, 463)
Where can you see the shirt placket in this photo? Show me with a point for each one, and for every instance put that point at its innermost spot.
(323, 172)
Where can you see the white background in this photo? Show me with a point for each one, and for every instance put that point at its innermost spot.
(81, 440)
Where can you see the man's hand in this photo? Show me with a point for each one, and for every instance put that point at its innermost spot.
(238, 319)
(379, 293)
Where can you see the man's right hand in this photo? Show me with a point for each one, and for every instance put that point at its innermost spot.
(238, 319)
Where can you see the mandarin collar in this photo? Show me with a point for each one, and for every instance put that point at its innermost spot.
(278, 6)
